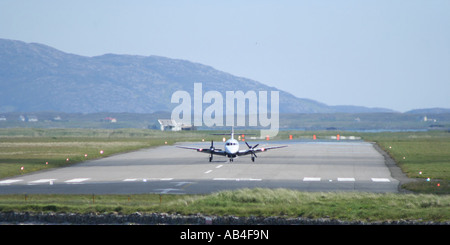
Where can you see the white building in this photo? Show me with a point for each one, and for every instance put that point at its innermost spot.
(169, 124)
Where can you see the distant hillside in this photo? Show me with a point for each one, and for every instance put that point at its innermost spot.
(35, 77)
(429, 111)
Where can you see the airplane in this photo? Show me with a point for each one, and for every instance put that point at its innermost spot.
(232, 149)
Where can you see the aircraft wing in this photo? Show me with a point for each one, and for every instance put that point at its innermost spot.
(254, 150)
(205, 150)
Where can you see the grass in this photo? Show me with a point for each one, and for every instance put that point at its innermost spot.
(421, 155)
(286, 203)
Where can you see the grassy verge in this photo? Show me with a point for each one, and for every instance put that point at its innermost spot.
(248, 202)
(421, 155)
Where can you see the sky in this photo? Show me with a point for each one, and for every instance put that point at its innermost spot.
(385, 53)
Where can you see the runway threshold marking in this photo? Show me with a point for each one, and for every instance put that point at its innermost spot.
(10, 181)
(307, 179)
(346, 179)
(380, 180)
(41, 181)
(129, 180)
(76, 181)
(237, 179)
(317, 179)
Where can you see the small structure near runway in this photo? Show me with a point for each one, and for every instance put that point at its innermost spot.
(172, 125)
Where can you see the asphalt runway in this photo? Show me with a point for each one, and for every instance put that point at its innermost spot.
(306, 166)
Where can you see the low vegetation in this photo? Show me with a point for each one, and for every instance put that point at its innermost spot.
(424, 156)
(248, 202)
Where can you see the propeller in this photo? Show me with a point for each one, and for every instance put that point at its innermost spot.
(211, 148)
(252, 148)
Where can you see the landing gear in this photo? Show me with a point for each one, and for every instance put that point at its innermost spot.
(210, 159)
(253, 159)
(231, 160)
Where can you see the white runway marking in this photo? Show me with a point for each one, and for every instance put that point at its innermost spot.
(219, 166)
(380, 180)
(76, 181)
(147, 179)
(209, 171)
(41, 181)
(129, 180)
(9, 181)
(235, 179)
(307, 179)
(346, 179)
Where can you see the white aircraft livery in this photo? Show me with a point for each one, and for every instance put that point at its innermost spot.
(232, 149)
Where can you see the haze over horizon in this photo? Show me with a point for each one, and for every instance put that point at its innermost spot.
(390, 54)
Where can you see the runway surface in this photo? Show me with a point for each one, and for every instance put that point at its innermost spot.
(305, 166)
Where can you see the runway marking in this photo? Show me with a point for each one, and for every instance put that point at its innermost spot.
(224, 179)
(307, 179)
(219, 166)
(346, 179)
(129, 180)
(380, 180)
(209, 171)
(147, 179)
(235, 179)
(10, 181)
(76, 181)
(41, 181)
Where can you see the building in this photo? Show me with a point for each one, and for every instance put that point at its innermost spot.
(172, 125)
(32, 119)
(110, 119)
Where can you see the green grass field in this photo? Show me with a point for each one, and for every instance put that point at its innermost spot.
(248, 202)
(421, 155)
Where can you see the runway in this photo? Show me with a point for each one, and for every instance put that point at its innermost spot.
(303, 165)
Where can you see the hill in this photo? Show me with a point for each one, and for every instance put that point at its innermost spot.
(36, 77)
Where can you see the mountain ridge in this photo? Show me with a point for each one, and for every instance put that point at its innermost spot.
(37, 77)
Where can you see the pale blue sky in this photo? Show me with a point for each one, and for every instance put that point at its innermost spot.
(383, 53)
